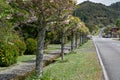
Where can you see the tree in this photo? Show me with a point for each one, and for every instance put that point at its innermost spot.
(43, 12)
(66, 8)
(75, 25)
(64, 31)
(82, 32)
(118, 23)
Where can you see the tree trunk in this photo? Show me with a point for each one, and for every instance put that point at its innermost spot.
(62, 45)
(76, 40)
(81, 39)
(119, 36)
(39, 55)
(72, 40)
(85, 38)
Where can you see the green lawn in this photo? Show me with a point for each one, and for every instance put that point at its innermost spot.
(53, 47)
(80, 66)
(26, 58)
(56, 46)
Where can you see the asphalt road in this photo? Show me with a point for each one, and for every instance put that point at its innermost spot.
(109, 51)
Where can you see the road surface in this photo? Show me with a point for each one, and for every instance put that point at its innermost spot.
(109, 51)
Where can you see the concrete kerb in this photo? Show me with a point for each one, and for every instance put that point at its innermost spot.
(105, 75)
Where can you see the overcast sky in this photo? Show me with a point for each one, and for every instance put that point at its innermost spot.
(106, 2)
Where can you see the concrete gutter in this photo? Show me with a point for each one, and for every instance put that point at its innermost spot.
(105, 74)
(23, 70)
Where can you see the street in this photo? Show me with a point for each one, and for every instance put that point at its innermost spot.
(109, 51)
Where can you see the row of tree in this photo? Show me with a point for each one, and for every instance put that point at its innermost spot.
(44, 15)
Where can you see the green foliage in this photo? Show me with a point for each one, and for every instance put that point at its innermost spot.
(108, 30)
(4, 9)
(118, 23)
(8, 53)
(31, 46)
(51, 36)
(92, 28)
(28, 30)
(21, 46)
(8, 50)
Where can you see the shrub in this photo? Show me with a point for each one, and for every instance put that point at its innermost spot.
(8, 54)
(21, 46)
(31, 46)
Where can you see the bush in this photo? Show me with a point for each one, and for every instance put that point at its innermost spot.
(31, 46)
(8, 54)
(21, 46)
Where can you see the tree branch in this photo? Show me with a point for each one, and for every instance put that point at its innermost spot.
(58, 19)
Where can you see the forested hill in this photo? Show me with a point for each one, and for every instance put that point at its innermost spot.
(96, 13)
(115, 6)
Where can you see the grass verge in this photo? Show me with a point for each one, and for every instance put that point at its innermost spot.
(81, 66)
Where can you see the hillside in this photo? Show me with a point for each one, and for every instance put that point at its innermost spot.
(115, 6)
(96, 13)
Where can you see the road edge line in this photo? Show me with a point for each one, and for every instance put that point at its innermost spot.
(101, 62)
